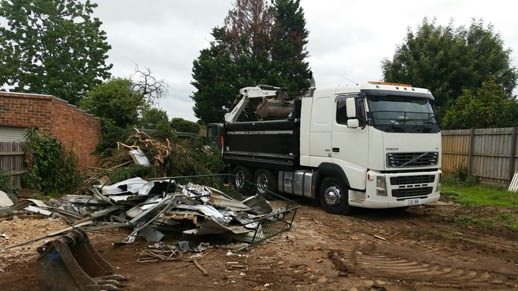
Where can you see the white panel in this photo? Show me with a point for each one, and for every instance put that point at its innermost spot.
(513, 187)
(320, 139)
(305, 127)
(12, 134)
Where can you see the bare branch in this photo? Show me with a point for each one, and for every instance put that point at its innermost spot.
(152, 89)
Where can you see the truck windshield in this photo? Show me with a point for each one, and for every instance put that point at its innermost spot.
(402, 114)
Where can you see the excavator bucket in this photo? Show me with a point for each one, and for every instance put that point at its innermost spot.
(71, 263)
(274, 108)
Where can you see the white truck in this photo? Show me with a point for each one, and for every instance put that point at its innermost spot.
(377, 145)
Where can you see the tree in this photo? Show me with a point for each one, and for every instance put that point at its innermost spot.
(145, 82)
(290, 35)
(258, 44)
(158, 121)
(115, 100)
(449, 60)
(52, 47)
(487, 106)
(153, 116)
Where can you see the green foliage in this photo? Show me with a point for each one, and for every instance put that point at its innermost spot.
(258, 45)
(151, 117)
(182, 125)
(289, 35)
(449, 60)
(156, 123)
(487, 106)
(50, 168)
(115, 100)
(479, 195)
(4, 182)
(460, 177)
(192, 157)
(54, 47)
(508, 220)
(208, 156)
(110, 135)
(131, 171)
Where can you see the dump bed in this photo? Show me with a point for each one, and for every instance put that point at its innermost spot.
(263, 144)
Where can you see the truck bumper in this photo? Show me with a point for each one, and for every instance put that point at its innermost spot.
(397, 190)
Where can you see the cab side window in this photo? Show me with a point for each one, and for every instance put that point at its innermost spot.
(341, 111)
(360, 111)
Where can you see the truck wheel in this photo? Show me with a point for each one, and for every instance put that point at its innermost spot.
(334, 196)
(265, 181)
(242, 174)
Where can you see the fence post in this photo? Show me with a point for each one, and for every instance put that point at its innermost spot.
(470, 153)
(513, 154)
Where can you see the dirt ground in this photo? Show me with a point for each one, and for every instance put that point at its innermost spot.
(417, 249)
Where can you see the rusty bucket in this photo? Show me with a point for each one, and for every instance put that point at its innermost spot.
(71, 263)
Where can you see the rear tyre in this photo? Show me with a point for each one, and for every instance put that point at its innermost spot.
(242, 175)
(265, 181)
(334, 196)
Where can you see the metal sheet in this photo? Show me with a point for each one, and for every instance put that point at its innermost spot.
(37, 210)
(139, 157)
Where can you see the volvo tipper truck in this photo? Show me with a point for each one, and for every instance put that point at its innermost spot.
(376, 145)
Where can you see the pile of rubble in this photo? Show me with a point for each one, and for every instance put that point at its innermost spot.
(158, 206)
(163, 205)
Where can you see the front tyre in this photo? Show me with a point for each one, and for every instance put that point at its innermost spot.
(334, 196)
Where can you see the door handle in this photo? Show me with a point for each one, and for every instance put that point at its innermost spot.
(336, 150)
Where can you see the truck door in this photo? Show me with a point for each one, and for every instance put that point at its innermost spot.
(350, 144)
(321, 120)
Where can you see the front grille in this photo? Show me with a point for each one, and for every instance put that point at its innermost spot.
(423, 159)
(404, 180)
(407, 192)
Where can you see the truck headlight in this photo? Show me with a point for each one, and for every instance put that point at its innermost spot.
(381, 186)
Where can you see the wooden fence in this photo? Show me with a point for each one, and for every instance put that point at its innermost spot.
(489, 154)
(11, 162)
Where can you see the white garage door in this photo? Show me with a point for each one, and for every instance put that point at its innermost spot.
(12, 134)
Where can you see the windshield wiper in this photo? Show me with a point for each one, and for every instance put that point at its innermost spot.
(393, 127)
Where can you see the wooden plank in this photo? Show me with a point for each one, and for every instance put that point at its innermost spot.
(513, 154)
(490, 154)
(11, 161)
(12, 153)
(470, 155)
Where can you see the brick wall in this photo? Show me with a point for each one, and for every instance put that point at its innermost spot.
(54, 117)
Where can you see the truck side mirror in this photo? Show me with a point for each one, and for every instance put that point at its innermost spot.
(350, 104)
(353, 123)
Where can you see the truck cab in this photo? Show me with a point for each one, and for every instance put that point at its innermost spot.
(376, 145)
(382, 139)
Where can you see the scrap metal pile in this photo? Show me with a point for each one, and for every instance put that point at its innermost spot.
(152, 207)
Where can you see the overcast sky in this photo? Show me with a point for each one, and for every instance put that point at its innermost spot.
(347, 39)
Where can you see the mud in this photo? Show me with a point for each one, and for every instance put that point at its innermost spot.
(417, 249)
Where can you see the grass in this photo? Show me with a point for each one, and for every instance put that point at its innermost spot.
(480, 195)
(508, 220)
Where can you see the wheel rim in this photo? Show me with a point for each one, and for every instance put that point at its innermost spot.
(262, 183)
(333, 195)
(240, 179)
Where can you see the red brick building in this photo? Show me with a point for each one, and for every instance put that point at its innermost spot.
(76, 129)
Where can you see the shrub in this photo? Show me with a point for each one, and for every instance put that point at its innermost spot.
(50, 168)
(182, 125)
(460, 177)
